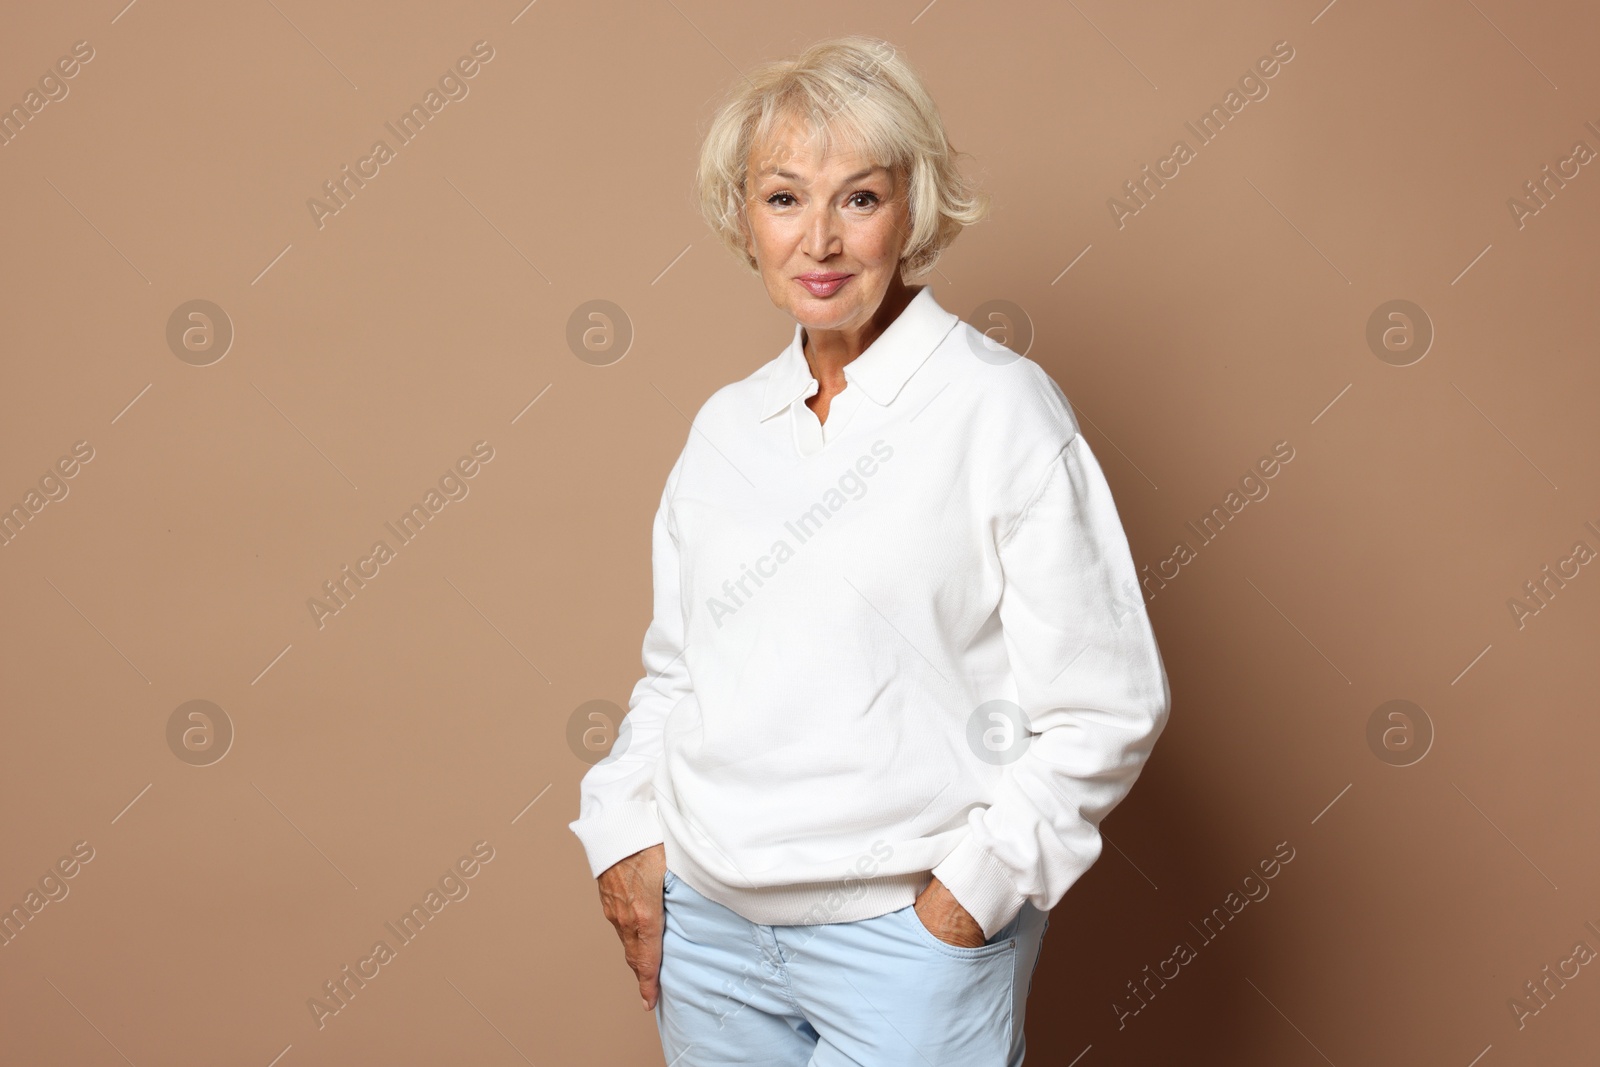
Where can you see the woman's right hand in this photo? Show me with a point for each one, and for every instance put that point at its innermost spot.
(631, 897)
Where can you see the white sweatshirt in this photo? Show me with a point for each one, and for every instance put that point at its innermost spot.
(906, 642)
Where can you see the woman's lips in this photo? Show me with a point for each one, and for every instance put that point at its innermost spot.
(823, 284)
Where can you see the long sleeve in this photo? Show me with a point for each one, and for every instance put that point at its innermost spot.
(617, 806)
(1090, 682)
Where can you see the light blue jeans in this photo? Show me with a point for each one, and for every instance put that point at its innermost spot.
(879, 992)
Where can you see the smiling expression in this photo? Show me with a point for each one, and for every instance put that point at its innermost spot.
(826, 232)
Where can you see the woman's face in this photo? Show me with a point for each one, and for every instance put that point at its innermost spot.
(826, 232)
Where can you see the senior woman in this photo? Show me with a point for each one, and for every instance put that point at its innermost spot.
(899, 667)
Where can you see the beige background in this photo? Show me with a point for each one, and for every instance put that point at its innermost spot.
(433, 711)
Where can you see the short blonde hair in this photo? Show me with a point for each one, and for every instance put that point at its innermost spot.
(857, 90)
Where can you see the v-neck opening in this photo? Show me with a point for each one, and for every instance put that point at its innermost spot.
(813, 435)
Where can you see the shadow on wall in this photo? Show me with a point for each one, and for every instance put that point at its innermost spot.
(1112, 973)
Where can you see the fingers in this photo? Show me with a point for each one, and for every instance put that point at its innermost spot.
(641, 943)
(649, 992)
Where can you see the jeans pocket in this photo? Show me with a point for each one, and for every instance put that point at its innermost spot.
(1002, 943)
(668, 880)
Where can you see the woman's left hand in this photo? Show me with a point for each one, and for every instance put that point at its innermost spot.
(946, 919)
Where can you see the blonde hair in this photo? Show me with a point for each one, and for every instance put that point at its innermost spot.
(859, 91)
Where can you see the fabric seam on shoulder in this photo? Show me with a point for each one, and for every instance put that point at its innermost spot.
(1037, 493)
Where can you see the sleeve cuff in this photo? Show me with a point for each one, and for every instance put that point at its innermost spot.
(618, 833)
(981, 884)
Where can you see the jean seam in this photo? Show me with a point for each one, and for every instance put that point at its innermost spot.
(777, 964)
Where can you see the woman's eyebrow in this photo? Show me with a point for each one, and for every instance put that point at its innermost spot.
(857, 176)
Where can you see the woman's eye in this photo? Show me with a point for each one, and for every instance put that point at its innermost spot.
(860, 199)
